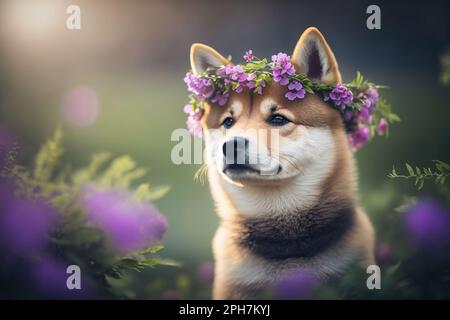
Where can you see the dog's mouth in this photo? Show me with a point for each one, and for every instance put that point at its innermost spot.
(240, 169)
(245, 171)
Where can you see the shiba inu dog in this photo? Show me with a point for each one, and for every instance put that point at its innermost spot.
(301, 211)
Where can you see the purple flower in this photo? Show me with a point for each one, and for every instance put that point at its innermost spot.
(194, 125)
(369, 99)
(382, 126)
(364, 115)
(282, 68)
(220, 98)
(201, 88)
(129, 224)
(340, 95)
(428, 226)
(296, 91)
(205, 273)
(262, 85)
(237, 75)
(296, 285)
(193, 122)
(24, 223)
(359, 137)
(372, 94)
(248, 56)
(348, 116)
(250, 83)
(188, 108)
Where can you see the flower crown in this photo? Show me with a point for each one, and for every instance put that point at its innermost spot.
(364, 112)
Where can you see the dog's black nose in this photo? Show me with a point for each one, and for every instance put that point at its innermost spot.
(236, 151)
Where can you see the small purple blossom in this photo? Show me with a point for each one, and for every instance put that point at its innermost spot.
(129, 224)
(382, 127)
(221, 98)
(359, 137)
(372, 94)
(364, 115)
(348, 116)
(193, 123)
(298, 284)
(261, 86)
(237, 75)
(369, 99)
(428, 226)
(201, 88)
(340, 95)
(248, 56)
(296, 91)
(282, 68)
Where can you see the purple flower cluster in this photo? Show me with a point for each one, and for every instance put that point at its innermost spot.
(340, 95)
(282, 68)
(129, 224)
(193, 123)
(220, 98)
(201, 88)
(360, 120)
(296, 91)
(236, 74)
(359, 137)
(428, 226)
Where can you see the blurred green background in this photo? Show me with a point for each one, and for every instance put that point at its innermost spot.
(134, 56)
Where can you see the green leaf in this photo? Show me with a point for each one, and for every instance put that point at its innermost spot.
(410, 170)
(151, 250)
(48, 157)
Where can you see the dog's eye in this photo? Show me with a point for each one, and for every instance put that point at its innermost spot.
(277, 120)
(228, 122)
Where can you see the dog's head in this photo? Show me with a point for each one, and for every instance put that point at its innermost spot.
(267, 139)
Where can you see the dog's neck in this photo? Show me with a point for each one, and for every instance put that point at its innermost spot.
(302, 234)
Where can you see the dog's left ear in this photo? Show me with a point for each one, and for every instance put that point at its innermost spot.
(203, 57)
(313, 57)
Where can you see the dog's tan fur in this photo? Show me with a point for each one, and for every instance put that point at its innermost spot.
(318, 183)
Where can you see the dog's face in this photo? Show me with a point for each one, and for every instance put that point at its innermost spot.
(267, 139)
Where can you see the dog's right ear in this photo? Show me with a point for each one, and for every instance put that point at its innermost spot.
(203, 57)
(313, 57)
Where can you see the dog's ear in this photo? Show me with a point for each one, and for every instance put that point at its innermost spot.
(313, 56)
(203, 57)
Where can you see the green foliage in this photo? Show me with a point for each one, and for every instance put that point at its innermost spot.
(438, 174)
(76, 240)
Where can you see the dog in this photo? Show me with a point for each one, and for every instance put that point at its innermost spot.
(300, 211)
